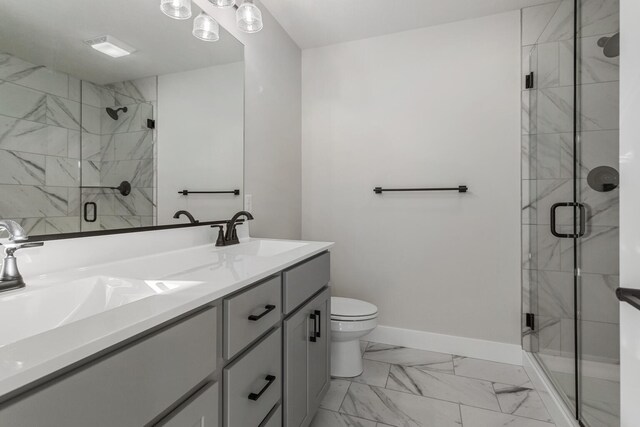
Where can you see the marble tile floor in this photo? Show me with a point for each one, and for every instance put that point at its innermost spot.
(403, 387)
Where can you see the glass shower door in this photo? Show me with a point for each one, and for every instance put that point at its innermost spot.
(549, 191)
(570, 201)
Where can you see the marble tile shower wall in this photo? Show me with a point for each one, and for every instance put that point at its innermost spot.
(117, 150)
(39, 146)
(48, 120)
(547, 176)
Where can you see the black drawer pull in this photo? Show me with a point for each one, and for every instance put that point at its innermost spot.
(313, 336)
(318, 313)
(267, 309)
(270, 379)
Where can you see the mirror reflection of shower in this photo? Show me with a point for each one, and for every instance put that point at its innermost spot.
(611, 45)
(114, 113)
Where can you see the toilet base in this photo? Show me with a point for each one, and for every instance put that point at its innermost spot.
(346, 359)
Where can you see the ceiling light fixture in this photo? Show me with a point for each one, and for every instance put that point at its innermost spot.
(249, 17)
(176, 9)
(110, 46)
(206, 28)
(223, 4)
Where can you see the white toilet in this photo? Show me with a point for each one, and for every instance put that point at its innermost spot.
(351, 319)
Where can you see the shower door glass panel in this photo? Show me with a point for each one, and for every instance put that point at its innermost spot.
(597, 251)
(548, 182)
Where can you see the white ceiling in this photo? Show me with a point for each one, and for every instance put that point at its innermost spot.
(52, 33)
(313, 23)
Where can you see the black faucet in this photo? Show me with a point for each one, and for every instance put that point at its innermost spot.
(231, 236)
(192, 220)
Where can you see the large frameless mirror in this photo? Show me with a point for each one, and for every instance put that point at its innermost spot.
(114, 116)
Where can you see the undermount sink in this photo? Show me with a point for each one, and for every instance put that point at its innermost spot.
(42, 307)
(267, 248)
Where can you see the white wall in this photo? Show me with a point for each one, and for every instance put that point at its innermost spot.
(200, 142)
(272, 124)
(629, 209)
(436, 106)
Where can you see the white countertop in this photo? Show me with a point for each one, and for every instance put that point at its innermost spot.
(189, 278)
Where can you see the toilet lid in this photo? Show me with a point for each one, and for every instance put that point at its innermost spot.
(351, 308)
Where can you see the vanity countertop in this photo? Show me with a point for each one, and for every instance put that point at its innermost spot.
(60, 319)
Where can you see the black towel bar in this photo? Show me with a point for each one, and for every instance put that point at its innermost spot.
(460, 189)
(187, 192)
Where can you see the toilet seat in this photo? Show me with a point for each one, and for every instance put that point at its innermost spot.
(352, 310)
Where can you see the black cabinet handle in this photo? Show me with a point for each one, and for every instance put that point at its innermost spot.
(270, 379)
(313, 336)
(583, 220)
(318, 313)
(267, 309)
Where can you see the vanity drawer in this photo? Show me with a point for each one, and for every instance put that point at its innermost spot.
(127, 387)
(250, 314)
(304, 280)
(253, 384)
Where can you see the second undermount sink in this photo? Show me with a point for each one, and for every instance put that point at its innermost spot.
(42, 307)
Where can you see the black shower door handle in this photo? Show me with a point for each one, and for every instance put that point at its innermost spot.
(583, 220)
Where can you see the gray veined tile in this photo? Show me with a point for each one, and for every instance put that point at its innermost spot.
(521, 401)
(73, 144)
(22, 103)
(490, 371)
(599, 251)
(324, 418)
(595, 67)
(91, 146)
(138, 202)
(421, 359)
(555, 294)
(399, 409)
(23, 201)
(61, 225)
(32, 226)
(599, 106)
(475, 417)
(548, 65)
(334, 397)
(448, 387)
(555, 110)
(374, 373)
(134, 145)
(534, 21)
(91, 173)
(112, 222)
(549, 335)
(21, 168)
(62, 172)
(599, 17)
(63, 112)
(38, 77)
(560, 26)
(598, 299)
(91, 119)
(104, 199)
(32, 137)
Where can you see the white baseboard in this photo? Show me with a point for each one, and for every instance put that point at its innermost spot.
(559, 411)
(461, 346)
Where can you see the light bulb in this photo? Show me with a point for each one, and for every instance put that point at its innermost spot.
(223, 3)
(206, 28)
(176, 9)
(249, 17)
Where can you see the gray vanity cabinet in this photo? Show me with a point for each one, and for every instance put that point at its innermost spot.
(201, 410)
(306, 360)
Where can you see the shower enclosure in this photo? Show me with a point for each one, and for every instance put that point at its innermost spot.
(570, 201)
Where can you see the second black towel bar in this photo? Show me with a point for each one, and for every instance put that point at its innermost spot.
(460, 189)
(187, 192)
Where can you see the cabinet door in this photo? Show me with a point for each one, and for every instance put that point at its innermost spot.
(306, 362)
(319, 373)
(199, 411)
(296, 336)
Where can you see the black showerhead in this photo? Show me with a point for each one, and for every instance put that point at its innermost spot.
(114, 113)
